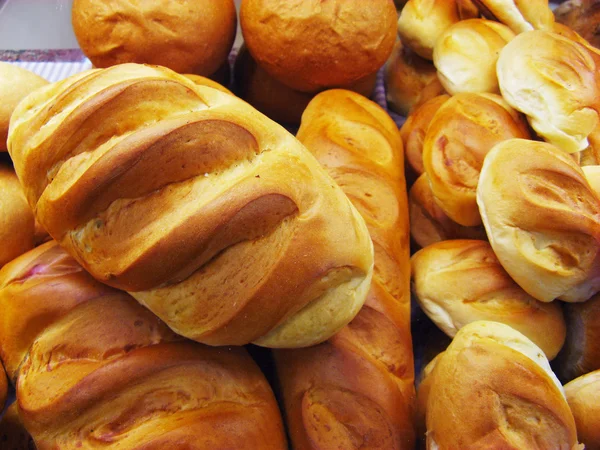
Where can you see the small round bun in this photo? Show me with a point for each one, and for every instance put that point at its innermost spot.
(409, 80)
(15, 84)
(519, 15)
(465, 55)
(310, 46)
(457, 282)
(187, 36)
(493, 388)
(583, 395)
(542, 219)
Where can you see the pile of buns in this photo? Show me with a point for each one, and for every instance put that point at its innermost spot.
(179, 271)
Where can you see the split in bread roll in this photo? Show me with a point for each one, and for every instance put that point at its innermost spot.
(581, 352)
(583, 395)
(582, 16)
(466, 53)
(187, 36)
(203, 81)
(13, 434)
(15, 84)
(415, 128)
(457, 282)
(519, 15)
(421, 22)
(17, 225)
(542, 219)
(310, 46)
(429, 223)
(555, 82)
(106, 370)
(409, 80)
(493, 388)
(356, 391)
(461, 133)
(210, 214)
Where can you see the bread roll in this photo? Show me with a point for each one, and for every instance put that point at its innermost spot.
(461, 133)
(542, 219)
(98, 367)
(519, 15)
(187, 36)
(414, 129)
(15, 84)
(583, 395)
(356, 390)
(581, 352)
(203, 81)
(310, 46)
(493, 388)
(423, 388)
(429, 223)
(421, 22)
(461, 281)
(409, 80)
(583, 17)
(16, 221)
(554, 81)
(210, 214)
(465, 55)
(13, 434)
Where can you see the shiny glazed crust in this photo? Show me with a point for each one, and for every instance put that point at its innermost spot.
(583, 395)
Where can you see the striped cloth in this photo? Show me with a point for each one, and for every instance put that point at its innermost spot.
(54, 71)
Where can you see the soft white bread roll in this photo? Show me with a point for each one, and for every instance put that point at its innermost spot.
(429, 223)
(465, 55)
(542, 219)
(555, 82)
(493, 389)
(583, 395)
(519, 15)
(422, 21)
(15, 84)
(409, 80)
(461, 133)
(415, 128)
(457, 282)
(212, 215)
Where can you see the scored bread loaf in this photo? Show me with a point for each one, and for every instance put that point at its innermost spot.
(96, 367)
(583, 395)
(356, 390)
(493, 388)
(207, 212)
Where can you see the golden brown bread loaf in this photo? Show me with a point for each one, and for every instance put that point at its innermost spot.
(542, 219)
(429, 223)
(15, 84)
(459, 281)
(583, 17)
(465, 55)
(17, 225)
(187, 36)
(310, 46)
(554, 81)
(409, 80)
(581, 352)
(356, 390)
(461, 133)
(583, 395)
(493, 388)
(13, 434)
(519, 15)
(103, 370)
(210, 214)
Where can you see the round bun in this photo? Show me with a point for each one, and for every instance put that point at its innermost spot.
(17, 225)
(583, 395)
(493, 388)
(460, 135)
(554, 81)
(310, 46)
(15, 84)
(457, 282)
(409, 80)
(542, 219)
(465, 55)
(187, 36)
(519, 15)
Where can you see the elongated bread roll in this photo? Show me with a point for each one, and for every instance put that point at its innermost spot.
(583, 395)
(210, 214)
(98, 367)
(519, 15)
(356, 390)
